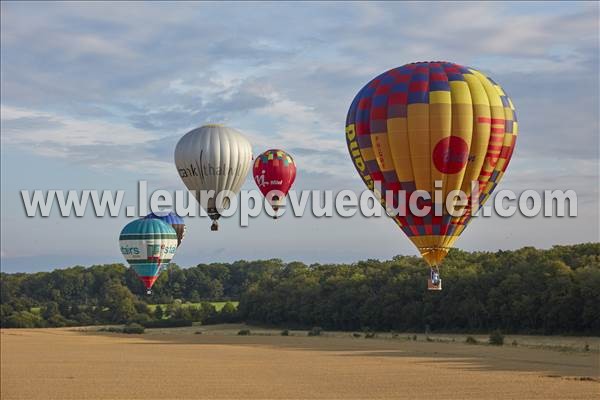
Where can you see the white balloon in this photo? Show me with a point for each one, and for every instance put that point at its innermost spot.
(213, 157)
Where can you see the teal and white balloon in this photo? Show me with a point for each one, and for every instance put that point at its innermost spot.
(147, 245)
(213, 158)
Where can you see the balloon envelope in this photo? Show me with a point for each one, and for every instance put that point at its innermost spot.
(213, 157)
(274, 173)
(172, 219)
(147, 244)
(431, 126)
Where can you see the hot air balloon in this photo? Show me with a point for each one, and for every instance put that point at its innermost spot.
(432, 126)
(213, 157)
(147, 244)
(172, 219)
(274, 172)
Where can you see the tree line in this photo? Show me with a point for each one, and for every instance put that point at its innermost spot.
(555, 291)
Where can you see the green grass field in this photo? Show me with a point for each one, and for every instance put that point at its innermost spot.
(218, 305)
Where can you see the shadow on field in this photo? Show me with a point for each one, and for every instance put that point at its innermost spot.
(447, 355)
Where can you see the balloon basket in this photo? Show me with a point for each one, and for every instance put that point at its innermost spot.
(433, 286)
(276, 210)
(214, 227)
(148, 292)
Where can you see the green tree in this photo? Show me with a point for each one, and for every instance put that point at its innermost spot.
(526, 290)
(158, 312)
(228, 313)
(120, 303)
(50, 310)
(24, 319)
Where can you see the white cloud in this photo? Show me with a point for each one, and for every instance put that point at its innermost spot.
(63, 131)
(93, 143)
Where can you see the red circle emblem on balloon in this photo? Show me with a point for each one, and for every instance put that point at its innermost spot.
(450, 154)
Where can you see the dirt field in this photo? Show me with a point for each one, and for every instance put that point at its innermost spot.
(178, 364)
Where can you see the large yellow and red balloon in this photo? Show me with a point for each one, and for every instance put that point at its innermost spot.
(429, 122)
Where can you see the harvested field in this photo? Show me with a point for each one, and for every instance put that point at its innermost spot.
(219, 364)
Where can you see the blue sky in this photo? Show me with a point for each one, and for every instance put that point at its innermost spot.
(95, 96)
